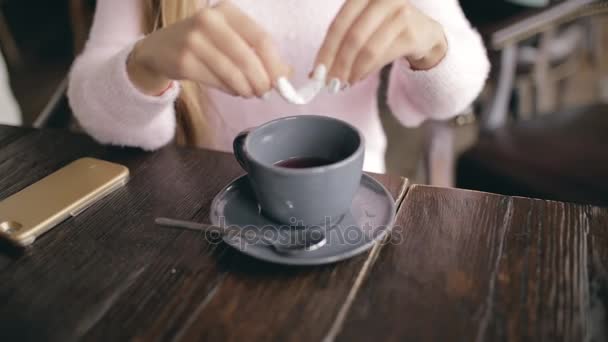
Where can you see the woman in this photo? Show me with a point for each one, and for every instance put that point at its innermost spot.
(227, 55)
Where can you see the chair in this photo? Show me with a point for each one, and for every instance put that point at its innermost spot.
(57, 112)
(9, 46)
(81, 17)
(507, 42)
(441, 138)
(556, 154)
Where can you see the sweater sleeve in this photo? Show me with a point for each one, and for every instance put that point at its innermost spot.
(451, 86)
(105, 102)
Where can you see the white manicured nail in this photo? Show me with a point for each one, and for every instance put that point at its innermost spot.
(334, 86)
(288, 92)
(320, 73)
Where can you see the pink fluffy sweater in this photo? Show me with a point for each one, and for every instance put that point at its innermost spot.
(113, 111)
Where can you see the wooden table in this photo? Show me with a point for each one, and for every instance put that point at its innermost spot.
(460, 265)
(560, 156)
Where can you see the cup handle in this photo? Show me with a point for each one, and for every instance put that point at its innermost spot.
(238, 145)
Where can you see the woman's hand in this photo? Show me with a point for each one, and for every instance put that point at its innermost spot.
(368, 34)
(219, 47)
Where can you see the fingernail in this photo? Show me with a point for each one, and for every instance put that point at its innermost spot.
(334, 86)
(320, 73)
(266, 95)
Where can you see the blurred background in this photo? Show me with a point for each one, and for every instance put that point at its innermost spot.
(539, 129)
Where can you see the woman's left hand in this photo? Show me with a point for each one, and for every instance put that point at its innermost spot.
(369, 34)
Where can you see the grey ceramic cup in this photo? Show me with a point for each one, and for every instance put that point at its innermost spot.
(306, 196)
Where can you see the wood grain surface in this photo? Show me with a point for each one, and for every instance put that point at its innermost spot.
(459, 265)
(110, 274)
(473, 266)
(560, 156)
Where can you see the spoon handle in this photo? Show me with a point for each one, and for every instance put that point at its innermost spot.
(189, 225)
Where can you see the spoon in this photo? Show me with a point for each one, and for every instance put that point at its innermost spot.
(307, 239)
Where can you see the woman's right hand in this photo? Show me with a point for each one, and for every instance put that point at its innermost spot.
(219, 47)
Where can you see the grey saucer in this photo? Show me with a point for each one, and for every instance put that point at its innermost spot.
(371, 217)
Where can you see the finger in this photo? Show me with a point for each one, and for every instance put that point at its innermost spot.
(369, 21)
(257, 38)
(220, 65)
(338, 28)
(230, 43)
(201, 73)
(394, 53)
(378, 50)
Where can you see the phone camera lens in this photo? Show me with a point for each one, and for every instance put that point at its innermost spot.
(9, 227)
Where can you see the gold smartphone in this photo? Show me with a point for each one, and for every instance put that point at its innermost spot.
(68, 191)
